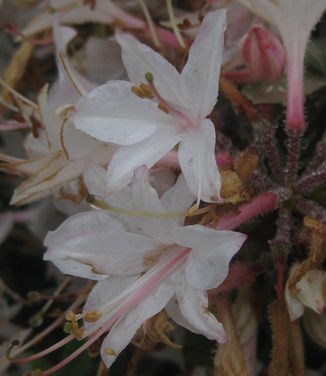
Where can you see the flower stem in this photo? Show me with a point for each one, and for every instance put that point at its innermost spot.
(261, 204)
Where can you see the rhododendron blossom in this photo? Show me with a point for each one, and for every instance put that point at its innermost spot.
(149, 120)
(124, 247)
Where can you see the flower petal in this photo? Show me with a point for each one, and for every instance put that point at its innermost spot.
(125, 329)
(212, 251)
(140, 59)
(147, 152)
(200, 76)
(197, 160)
(178, 198)
(173, 310)
(193, 304)
(106, 249)
(113, 113)
(103, 293)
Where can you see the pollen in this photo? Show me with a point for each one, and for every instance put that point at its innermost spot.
(142, 91)
(110, 351)
(146, 90)
(136, 90)
(163, 108)
(92, 316)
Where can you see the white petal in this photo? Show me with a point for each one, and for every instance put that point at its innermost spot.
(295, 307)
(108, 249)
(212, 251)
(112, 113)
(200, 76)
(125, 329)
(50, 120)
(197, 160)
(147, 152)
(311, 290)
(101, 295)
(88, 222)
(94, 179)
(140, 59)
(77, 144)
(178, 198)
(193, 304)
(173, 310)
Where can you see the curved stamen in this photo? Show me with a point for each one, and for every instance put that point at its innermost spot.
(100, 204)
(139, 294)
(42, 353)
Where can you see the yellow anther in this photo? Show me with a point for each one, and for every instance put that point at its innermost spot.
(146, 90)
(163, 108)
(92, 316)
(137, 91)
(110, 351)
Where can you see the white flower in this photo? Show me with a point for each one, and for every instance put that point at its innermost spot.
(142, 263)
(309, 293)
(294, 20)
(59, 153)
(113, 113)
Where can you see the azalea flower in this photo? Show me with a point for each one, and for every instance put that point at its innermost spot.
(172, 108)
(58, 153)
(143, 262)
(294, 20)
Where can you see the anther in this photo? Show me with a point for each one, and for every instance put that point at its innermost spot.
(146, 90)
(163, 108)
(92, 316)
(110, 351)
(137, 91)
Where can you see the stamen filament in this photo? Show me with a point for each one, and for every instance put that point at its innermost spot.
(18, 95)
(152, 28)
(174, 24)
(100, 204)
(42, 353)
(141, 293)
(73, 79)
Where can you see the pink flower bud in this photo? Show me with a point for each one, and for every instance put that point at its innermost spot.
(263, 55)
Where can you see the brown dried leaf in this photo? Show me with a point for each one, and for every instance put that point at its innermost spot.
(245, 164)
(232, 187)
(228, 360)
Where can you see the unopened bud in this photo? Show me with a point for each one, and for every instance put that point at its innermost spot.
(264, 57)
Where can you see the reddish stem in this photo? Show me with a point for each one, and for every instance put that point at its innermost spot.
(261, 204)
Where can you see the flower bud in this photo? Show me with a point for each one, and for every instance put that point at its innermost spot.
(263, 55)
